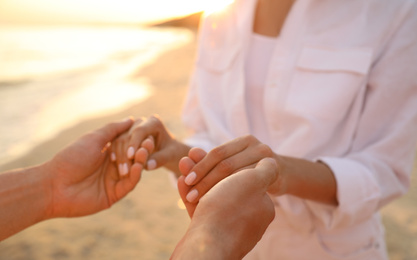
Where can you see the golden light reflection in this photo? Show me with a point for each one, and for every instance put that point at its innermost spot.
(107, 11)
(216, 5)
(180, 204)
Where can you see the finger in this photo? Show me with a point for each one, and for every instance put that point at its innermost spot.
(125, 185)
(143, 129)
(236, 155)
(135, 173)
(200, 189)
(217, 155)
(111, 153)
(149, 144)
(123, 163)
(131, 149)
(260, 178)
(146, 148)
(110, 131)
(113, 157)
(159, 158)
(197, 154)
(141, 156)
(267, 172)
(183, 190)
(237, 162)
(185, 165)
(244, 159)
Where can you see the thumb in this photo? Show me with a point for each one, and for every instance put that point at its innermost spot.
(183, 190)
(110, 131)
(158, 159)
(267, 171)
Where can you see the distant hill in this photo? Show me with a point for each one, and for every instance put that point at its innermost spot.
(191, 21)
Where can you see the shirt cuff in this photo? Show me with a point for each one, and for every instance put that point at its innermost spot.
(358, 194)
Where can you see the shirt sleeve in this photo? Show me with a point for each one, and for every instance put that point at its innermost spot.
(377, 170)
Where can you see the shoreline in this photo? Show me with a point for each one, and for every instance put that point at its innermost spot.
(166, 100)
(147, 224)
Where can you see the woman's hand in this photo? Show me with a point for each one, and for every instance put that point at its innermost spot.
(148, 134)
(204, 171)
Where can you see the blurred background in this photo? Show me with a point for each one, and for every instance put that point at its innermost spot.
(67, 67)
(70, 66)
(62, 61)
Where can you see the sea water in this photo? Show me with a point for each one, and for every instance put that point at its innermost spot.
(52, 76)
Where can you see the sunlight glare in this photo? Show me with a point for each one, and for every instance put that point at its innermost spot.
(180, 204)
(108, 11)
(211, 6)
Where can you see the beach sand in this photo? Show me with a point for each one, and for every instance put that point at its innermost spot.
(147, 224)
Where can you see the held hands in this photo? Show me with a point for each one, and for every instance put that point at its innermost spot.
(203, 171)
(148, 134)
(231, 217)
(228, 221)
(83, 178)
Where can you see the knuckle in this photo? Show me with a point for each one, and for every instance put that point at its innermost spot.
(225, 167)
(219, 152)
(155, 119)
(203, 186)
(264, 150)
(250, 139)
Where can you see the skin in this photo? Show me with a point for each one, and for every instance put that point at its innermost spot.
(232, 217)
(167, 150)
(270, 16)
(80, 180)
(297, 176)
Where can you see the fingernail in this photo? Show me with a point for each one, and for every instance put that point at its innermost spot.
(130, 152)
(121, 169)
(192, 195)
(190, 178)
(113, 157)
(151, 164)
(125, 169)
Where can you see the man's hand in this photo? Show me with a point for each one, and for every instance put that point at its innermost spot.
(230, 218)
(83, 179)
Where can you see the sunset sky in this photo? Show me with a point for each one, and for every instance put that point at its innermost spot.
(99, 11)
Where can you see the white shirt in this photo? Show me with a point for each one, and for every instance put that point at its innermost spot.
(341, 87)
(257, 60)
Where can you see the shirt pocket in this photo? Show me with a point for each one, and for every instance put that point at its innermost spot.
(326, 81)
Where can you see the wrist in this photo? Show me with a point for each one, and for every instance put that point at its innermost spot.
(177, 152)
(202, 242)
(280, 186)
(48, 184)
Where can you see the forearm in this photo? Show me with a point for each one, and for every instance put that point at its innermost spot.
(305, 179)
(23, 199)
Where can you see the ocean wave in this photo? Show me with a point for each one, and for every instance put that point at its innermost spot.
(37, 100)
